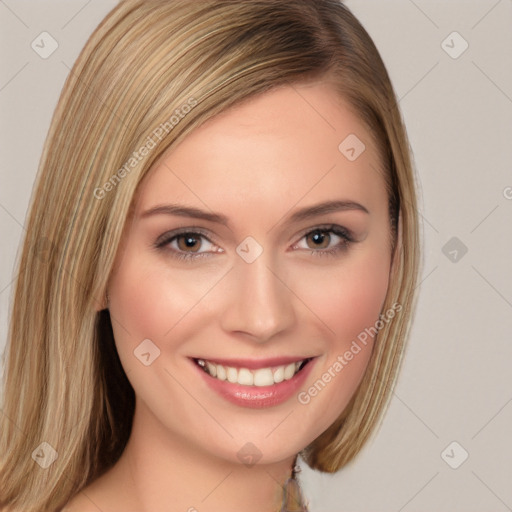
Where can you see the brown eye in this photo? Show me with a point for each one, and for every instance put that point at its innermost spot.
(326, 241)
(318, 239)
(187, 245)
(187, 242)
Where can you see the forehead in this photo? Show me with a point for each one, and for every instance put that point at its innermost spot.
(299, 143)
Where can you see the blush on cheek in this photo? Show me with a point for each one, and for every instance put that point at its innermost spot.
(349, 304)
(136, 315)
(351, 310)
(146, 303)
(157, 305)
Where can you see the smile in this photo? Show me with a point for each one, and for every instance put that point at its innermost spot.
(257, 377)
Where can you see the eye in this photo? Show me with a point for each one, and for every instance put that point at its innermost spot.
(325, 240)
(187, 244)
(190, 244)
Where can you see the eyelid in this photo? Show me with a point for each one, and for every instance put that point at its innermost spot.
(166, 237)
(330, 227)
(345, 235)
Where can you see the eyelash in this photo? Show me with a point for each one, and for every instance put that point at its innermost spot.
(167, 238)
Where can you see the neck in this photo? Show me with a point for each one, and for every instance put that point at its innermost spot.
(161, 472)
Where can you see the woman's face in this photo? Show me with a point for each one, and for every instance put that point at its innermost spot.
(258, 246)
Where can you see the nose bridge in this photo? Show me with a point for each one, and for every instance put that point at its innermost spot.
(261, 304)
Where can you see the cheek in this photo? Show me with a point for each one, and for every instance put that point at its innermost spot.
(149, 302)
(140, 309)
(348, 298)
(348, 302)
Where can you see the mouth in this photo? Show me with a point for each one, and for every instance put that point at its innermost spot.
(255, 377)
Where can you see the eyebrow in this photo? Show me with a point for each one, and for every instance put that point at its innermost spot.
(218, 218)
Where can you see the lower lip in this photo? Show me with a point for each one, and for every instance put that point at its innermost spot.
(257, 397)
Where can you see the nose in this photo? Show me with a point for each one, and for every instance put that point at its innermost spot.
(260, 304)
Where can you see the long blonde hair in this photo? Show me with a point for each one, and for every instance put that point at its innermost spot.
(148, 59)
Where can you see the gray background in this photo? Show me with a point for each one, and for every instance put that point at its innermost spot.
(456, 379)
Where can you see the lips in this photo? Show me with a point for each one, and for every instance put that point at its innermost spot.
(244, 376)
(254, 383)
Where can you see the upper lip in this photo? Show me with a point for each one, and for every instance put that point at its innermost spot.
(255, 364)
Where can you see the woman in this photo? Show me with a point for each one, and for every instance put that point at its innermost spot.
(219, 264)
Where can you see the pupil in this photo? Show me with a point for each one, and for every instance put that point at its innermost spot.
(320, 238)
(188, 242)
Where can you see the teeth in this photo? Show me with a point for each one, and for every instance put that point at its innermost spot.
(212, 369)
(279, 375)
(263, 377)
(289, 371)
(246, 377)
(232, 374)
(221, 372)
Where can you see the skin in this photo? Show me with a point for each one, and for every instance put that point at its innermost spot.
(256, 164)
